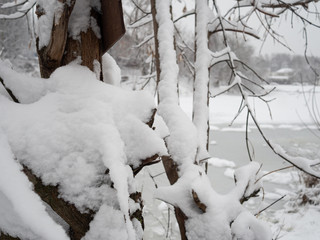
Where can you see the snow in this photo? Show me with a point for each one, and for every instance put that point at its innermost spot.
(22, 8)
(285, 70)
(282, 177)
(218, 162)
(300, 162)
(52, 10)
(287, 108)
(80, 19)
(15, 194)
(143, 21)
(301, 223)
(246, 180)
(26, 89)
(13, 3)
(74, 128)
(110, 70)
(201, 81)
(247, 227)
(182, 144)
(107, 224)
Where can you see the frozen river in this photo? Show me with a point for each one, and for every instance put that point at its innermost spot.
(286, 127)
(229, 144)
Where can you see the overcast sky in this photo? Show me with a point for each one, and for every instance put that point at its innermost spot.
(293, 36)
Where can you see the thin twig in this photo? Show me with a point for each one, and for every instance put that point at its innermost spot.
(9, 91)
(269, 205)
(247, 137)
(277, 170)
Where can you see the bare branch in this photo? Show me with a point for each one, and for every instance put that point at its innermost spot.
(9, 91)
(185, 15)
(137, 6)
(270, 205)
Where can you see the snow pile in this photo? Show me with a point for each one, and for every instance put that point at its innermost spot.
(216, 220)
(22, 213)
(75, 131)
(110, 70)
(26, 88)
(218, 162)
(246, 227)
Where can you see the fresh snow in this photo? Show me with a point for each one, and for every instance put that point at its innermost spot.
(21, 210)
(218, 162)
(110, 70)
(74, 128)
(201, 81)
(80, 19)
(288, 107)
(303, 224)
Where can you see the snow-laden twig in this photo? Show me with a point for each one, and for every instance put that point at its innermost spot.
(270, 205)
(144, 41)
(141, 21)
(22, 11)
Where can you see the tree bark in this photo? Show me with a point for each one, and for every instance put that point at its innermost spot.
(172, 173)
(50, 56)
(63, 49)
(7, 237)
(78, 222)
(156, 41)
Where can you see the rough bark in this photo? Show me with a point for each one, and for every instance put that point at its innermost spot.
(50, 56)
(138, 214)
(88, 48)
(7, 237)
(78, 222)
(156, 41)
(62, 49)
(172, 173)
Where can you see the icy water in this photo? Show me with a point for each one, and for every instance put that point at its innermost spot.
(229, 143)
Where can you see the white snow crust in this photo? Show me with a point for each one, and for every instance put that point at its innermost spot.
(21, 210)
(74, 128)
(110, 70)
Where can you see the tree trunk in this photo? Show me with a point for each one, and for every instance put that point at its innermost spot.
(63, 49)
(78, 222)
(169, 165)
(156, 41)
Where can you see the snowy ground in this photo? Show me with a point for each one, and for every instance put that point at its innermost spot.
(288, 106)
(291, 125)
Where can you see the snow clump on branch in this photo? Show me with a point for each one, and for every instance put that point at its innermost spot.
(73, 129)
